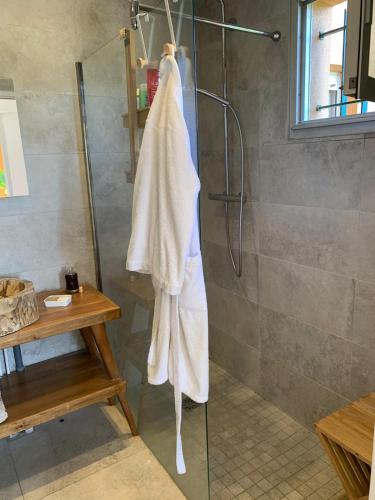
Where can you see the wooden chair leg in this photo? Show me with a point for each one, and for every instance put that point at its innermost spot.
(104, 347)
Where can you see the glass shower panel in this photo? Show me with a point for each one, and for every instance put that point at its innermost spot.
(108, 148)
(157, 418)
(109, 152)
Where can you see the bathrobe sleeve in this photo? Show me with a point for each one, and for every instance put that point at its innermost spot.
(166, 179)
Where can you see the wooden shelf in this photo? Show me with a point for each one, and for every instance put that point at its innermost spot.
(142, 115)
(53, 388)
(89, 308)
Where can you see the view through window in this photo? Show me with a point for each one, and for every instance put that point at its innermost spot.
(323, 56)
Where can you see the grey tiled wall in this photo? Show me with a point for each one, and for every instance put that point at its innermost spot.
(299, 326)
(41, 233)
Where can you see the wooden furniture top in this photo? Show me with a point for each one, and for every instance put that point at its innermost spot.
(352, 427)
(88, 308)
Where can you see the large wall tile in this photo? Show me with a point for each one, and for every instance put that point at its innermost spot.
(104, 70)
(106, 132)
(312, 296)
(259, 13)
(53, 278)
(368, 177)
(110, 185)
(233, 315)
(210, 119)
(251, 172)
(367, 247)
(306, 350)
(213, 224)
(66, 189)
(211, 170)
(210, 80)
(42, 14)
(364, 315)
(218, 269)
(241, 360)
(248, 107)
(29, 55)
(98, 22)
(324, 174)
(302, 398)
(44, 240)
(363, 372)
(316, 237)
(273, 120)
(243, 72)
(41, 350)
(49, 123)
(274, 78)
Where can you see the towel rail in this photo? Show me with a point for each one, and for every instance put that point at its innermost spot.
(134, 5)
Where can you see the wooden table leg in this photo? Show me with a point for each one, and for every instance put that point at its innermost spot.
(89, 341)
(91, 347)
(104, 347)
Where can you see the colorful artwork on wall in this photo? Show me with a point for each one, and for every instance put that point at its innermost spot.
(13, 180)
(3, 183)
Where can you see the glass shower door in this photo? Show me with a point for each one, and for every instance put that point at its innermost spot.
(108, 148)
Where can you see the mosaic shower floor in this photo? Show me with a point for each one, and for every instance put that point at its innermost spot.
(259, 452)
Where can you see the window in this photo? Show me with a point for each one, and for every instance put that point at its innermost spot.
(320, 51)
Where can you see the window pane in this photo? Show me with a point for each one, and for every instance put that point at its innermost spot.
(372, 47)
(324, 63)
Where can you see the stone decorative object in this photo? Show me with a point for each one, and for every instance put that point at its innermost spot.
(18, 305)
(3, 412)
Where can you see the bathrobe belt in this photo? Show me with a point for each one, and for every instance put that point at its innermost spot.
(176, 350)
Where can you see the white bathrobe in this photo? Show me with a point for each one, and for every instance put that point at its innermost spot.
(165, 244)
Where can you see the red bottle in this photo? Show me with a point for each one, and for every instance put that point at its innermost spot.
(152, 84)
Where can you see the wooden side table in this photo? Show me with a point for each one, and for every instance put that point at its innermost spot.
(66, 383)
(347, 437)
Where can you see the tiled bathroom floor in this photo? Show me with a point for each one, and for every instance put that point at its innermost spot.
(257, 451)
(87, 455)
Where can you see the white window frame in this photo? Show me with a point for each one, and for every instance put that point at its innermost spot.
(317, 128)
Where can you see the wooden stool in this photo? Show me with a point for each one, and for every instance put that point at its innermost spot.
(63, 384)
(347, 437)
